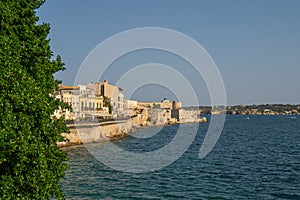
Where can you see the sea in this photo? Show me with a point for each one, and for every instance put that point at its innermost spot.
(256, 157)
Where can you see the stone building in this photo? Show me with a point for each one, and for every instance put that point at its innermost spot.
(130, 104)
(70, 95)
(164, 104)
(84, 101)
(112, 92)
(159, 116)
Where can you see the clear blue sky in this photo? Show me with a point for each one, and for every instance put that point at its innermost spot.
(255, 44)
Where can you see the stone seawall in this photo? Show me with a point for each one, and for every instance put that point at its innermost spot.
(91, 132)
(85, 132)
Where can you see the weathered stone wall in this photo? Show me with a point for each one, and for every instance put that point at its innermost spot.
(189, 116)
(90, 133)
(166, 105)
(141, 119)
(159, 117)
(94, 132)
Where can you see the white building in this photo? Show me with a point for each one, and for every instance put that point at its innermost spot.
(130, 104)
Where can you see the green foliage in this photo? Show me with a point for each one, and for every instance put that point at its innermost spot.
(31, 163)
(106, 103)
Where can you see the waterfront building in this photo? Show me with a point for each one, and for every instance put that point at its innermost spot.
(159, 116)
(130, 104)
(102, 100)
(112, 92)
(70, 95)
(88, 101)
(164, 104)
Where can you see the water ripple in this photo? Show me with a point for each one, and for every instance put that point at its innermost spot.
(254, 159)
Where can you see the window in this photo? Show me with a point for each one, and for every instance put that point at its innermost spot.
(102, 90)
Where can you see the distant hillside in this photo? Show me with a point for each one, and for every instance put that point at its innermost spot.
(264, 109)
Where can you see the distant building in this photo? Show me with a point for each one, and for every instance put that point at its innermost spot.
(130, 104)
(85, 102)
(70, 95)
(164, 104)
(101, 100)
(112, 92)
(183, 115)
(159, 116)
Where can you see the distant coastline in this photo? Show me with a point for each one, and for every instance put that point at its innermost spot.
(257, 109)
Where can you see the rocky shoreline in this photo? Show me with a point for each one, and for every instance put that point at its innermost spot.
(101, 132)
(95, 132)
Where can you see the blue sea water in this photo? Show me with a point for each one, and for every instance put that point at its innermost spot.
(255, 158)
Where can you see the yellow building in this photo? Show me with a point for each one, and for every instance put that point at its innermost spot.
(112, 92)
(70, 95)
(85, 103)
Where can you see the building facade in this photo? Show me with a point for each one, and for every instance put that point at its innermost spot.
(90, 101)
